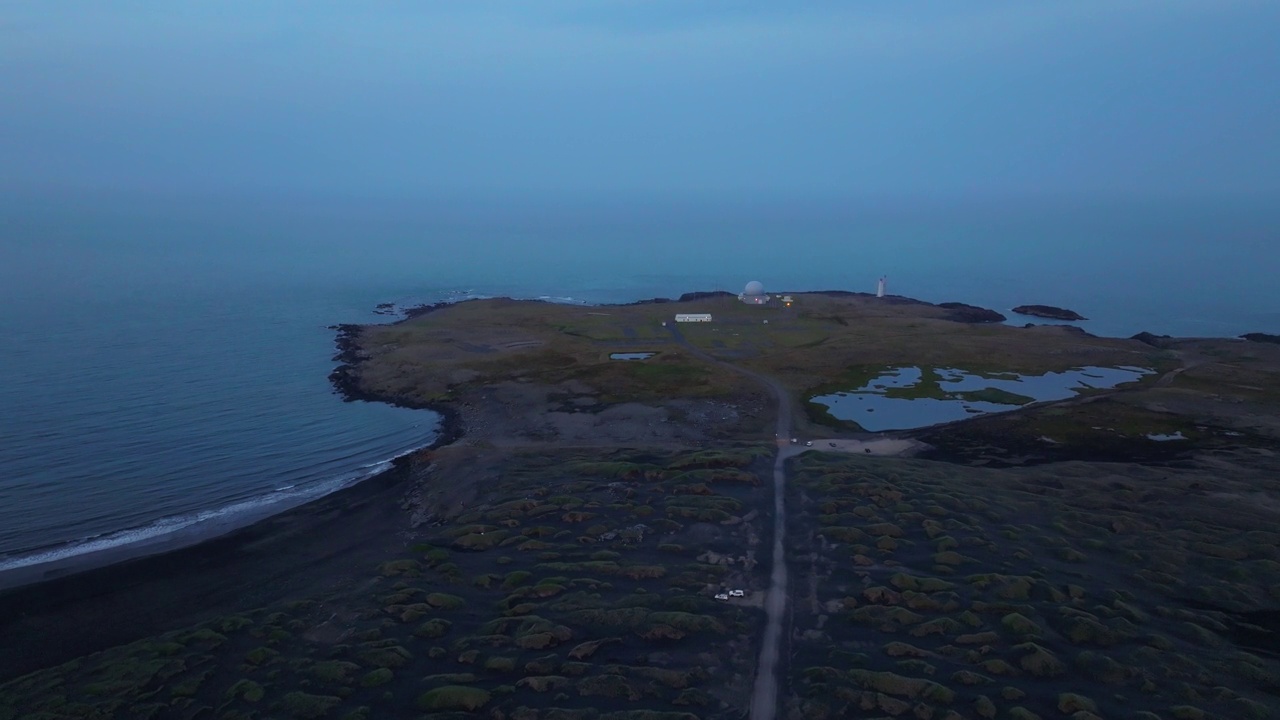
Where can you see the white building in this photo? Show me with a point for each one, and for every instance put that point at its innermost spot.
(693, 317)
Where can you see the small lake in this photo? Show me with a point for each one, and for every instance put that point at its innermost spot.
(631, 356)
(903, 398)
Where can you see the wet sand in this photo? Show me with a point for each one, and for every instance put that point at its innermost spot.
(324, 546)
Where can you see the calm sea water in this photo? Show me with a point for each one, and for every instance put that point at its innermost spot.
(164, 363)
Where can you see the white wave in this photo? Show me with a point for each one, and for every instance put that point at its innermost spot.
(561, 300)
(251, 508)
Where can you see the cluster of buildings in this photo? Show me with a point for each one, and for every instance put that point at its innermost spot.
(754, 294)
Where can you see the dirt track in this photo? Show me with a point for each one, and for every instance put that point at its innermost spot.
(764, 696)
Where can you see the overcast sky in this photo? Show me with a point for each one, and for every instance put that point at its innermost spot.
(995, 98)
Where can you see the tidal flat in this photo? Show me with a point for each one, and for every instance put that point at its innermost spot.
(560, 556)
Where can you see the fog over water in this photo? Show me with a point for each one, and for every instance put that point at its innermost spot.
(190, 195)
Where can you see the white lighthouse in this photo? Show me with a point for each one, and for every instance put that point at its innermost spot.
(880, 287)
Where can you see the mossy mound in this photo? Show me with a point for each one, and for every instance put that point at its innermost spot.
(1020, 626)
(886, 617)
(1081, 630)
(1039, 661)
(901, 649)
(543, 683)
(454, 697)
(408, 568)
(893, 684)
(335, 671)
(445, 601)
(307, 706)
(904, 581)
(938, 626)
(387, 657)
(1069, 703)
(589, 648)
(433, 628)
(477, 542)
(500, 664)
(968, 677)
(609, 686)
(246, 690)
(374, 678)
(982, 638)
(884, 530)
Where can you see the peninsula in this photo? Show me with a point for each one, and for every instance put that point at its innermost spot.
(840, 505)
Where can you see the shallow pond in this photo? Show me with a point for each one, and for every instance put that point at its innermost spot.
(903, 398)
(631, 356)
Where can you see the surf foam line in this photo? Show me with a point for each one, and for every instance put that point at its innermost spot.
(251, 509)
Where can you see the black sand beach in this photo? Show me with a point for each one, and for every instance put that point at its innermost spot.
(315, 548)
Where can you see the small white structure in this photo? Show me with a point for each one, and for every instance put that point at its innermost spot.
(693, 317)
(880, 287)
(736, 593)
(723, 597)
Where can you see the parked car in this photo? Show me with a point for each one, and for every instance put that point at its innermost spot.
(736, 593)
(722, 596)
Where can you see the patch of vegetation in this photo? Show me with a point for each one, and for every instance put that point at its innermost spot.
(454, 697)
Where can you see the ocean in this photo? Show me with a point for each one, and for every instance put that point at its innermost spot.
(165, 362)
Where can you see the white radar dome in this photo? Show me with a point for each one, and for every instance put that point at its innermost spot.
(754, 288)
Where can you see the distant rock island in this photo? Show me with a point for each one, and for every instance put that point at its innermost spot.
(1050, 312)
(1261, 337)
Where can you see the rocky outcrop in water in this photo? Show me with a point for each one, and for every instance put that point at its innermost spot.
(1261, 337)
(1050, 312)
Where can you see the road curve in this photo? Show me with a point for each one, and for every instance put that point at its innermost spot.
(764, 696)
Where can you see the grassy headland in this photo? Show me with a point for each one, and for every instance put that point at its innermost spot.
(559, 561)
